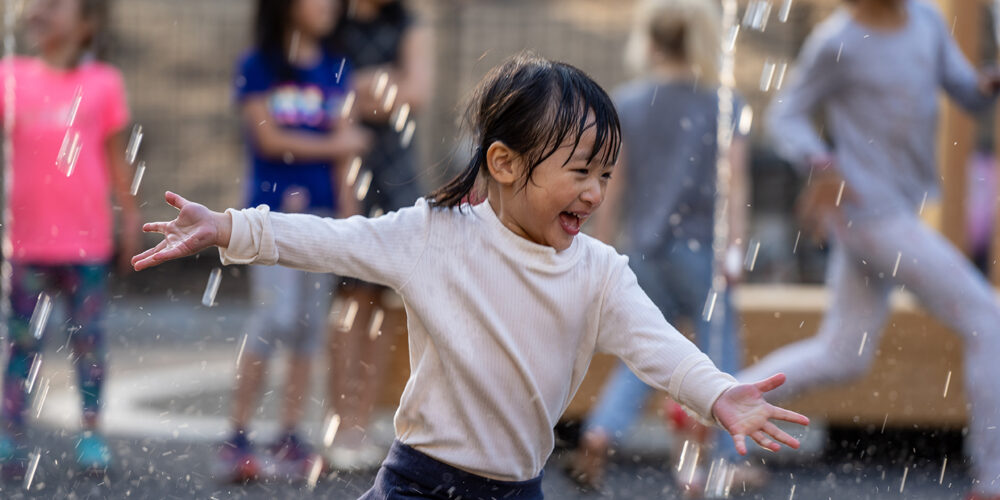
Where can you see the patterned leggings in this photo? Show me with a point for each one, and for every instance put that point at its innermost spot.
(84, 288)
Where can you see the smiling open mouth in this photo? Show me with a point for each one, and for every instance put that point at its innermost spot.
(571, 221)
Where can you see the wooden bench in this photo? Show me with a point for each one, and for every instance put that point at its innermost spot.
(904, 387)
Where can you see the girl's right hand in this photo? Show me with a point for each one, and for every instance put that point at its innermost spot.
(195, 229)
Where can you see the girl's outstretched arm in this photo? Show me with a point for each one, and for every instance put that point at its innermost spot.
(195, 229)
(743, 412)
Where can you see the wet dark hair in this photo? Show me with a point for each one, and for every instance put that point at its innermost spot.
(270, 24)
(97, 11)
(532, 105)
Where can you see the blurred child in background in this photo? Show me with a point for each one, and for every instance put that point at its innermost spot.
(390, 53)
(875, 69)
(67, 120)
(291, 91)
(664, 197)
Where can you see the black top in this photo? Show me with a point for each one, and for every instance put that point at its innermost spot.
(377, 42)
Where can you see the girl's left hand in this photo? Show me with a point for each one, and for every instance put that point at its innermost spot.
(742, 411)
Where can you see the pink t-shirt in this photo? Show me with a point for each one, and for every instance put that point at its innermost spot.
(57, 218)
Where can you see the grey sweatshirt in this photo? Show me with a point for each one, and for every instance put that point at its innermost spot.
(878, 91)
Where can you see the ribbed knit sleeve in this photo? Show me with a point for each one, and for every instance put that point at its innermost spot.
(383, 250)
(632, 328)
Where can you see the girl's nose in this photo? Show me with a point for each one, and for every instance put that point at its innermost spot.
(593, 194)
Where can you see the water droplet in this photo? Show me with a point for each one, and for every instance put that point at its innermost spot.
(40, 316)
(347, 316)
(36, 367)
(706, 313)
(214, 279)
(402, 114)
(137, 179)
(407, 136)
(746, 120)
(134, 141)
(345, 110)
(363, 184)
(29, 475)
(375, 327)
(779, 77)
(753, 248)
(756, 15)
(786, 7)
(353, 170)
(71, 117)
(390, 98)
(766, 75)
(687, 464)
(380, 84)
(330, 429)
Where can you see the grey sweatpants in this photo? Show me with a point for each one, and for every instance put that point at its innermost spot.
(863, 270)
(290, 309)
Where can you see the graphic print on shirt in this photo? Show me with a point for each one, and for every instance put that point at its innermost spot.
(294, 105)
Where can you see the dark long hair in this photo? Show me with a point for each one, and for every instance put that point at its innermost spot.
(532, 105)
(269, 30)
(98, 12)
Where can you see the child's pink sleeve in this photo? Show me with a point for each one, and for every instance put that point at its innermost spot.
(116, 115)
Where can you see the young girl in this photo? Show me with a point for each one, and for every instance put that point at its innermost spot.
(384, 42)
(669, 116)
(60, 238)
(506, 302)
(875, 67)
(290, 90)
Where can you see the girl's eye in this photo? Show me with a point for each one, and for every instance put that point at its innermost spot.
(606, 176)
(581, 171)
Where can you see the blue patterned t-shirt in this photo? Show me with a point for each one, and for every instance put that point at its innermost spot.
(305, 99)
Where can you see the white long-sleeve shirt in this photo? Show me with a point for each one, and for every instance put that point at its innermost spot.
(501, 330)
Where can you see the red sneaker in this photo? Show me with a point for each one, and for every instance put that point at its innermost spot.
(236, 461)
(981, 496)
(685, 425)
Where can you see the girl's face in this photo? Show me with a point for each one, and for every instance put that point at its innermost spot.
(560, 196)
(315, 18)
(54, 23)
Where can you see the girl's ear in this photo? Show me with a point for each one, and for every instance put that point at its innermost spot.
(503, 163)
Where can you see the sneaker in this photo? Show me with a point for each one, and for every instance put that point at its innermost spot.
(293, 459)
(13, 457)
(236, 462)
(93, 453)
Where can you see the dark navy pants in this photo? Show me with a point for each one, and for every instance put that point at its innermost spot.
(408, 474)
